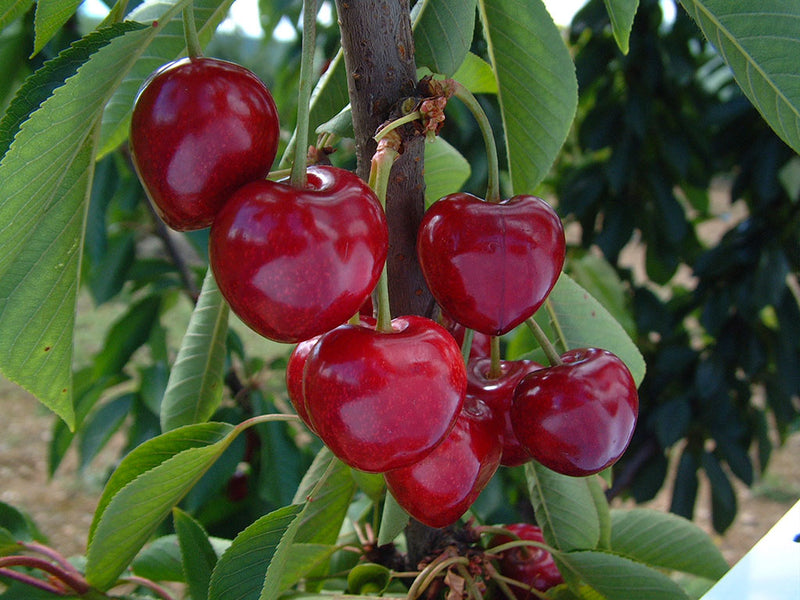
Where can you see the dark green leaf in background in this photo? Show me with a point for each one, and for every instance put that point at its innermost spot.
(12, 9)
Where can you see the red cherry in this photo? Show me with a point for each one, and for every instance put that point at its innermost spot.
(201, 128)
(527, 564)
(481, 343)
(295, 263)
(440, 487)
(498, 393)
(491, 265)
(380, 400)
(577, 418)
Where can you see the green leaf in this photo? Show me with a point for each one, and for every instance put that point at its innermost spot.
(135, 512)
(476, 75)
(564, 507)
(101, 426)
(166, 43)
(19, 524)
(446, 170)
(8, 543)
(666, 541)
(305, 559)
(537, 88)
(723, 496)
(368, 578)
(240, 572)
(160, 560)
(126, 335)
(586, 323)
(760, 41)
(621, 13)
(153, 453)
(603, 512)
(11, 10)
(197, 554)
(443, 33)
(46, 177)
(393, 520)
(195, 386)
(619, 578)
(50, 17)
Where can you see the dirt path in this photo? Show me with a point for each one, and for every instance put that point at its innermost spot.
(63, 507)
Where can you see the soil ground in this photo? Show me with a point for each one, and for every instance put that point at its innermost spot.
(62, 507)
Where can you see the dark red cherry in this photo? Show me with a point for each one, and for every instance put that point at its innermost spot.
(577, 418)
(380, 400)
(201, 128)
(440, 487)
(530, 565)
(498, 393)
(294, 263)
(491, 265)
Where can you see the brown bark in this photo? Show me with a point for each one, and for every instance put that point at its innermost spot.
(379, 56)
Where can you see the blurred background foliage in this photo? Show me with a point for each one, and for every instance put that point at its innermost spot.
(683, 218)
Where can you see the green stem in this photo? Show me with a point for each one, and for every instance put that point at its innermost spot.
(193, 47)
(552, 354)
(472, 589)
(384, 131)
(560, 337)
(380, 168)
(466, 345)
(298, 177)
(493, 165)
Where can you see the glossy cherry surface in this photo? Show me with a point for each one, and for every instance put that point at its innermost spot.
(440, 487)
(295, 263)
(577, 418)
(527, 564)
(491, 265)
(498, 393)
(380, 400)
(294, 378)
(200, 129)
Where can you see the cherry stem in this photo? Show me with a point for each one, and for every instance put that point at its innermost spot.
(473, 590)
(298, 176)
(503, 582)
(70, 578)
(466, 345)
(500, 581)
(429, 573)
(146, 583)
(380, 169)
(552, 354)
(551, 312)
(493, 165)
(495, 370)
(391, 126)
(31, 581)
(193, 47)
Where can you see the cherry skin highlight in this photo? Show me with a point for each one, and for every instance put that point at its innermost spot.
(294, 263)
(200, 129)
(498, 393)
(491, 265)
(383, 400)
(440, 487)
(577, 418)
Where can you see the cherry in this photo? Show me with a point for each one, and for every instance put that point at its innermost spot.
(498, 393)
(440, 487)
(481, 343)
(491, 265)
(296, 262)
(530, 565)
(383, 400)
(200, 129)
(577, 418)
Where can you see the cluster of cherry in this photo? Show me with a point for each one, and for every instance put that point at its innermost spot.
(296, 262)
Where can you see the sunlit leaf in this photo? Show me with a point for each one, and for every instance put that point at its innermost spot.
(537, 89)
(621, 13)
(194, 389)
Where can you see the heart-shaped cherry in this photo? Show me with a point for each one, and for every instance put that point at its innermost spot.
(440, 487)
(498, 393)
(201, 128)
(530, 565)
(383, 400)
(296, 262)
(491, 265)
(577, 418)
